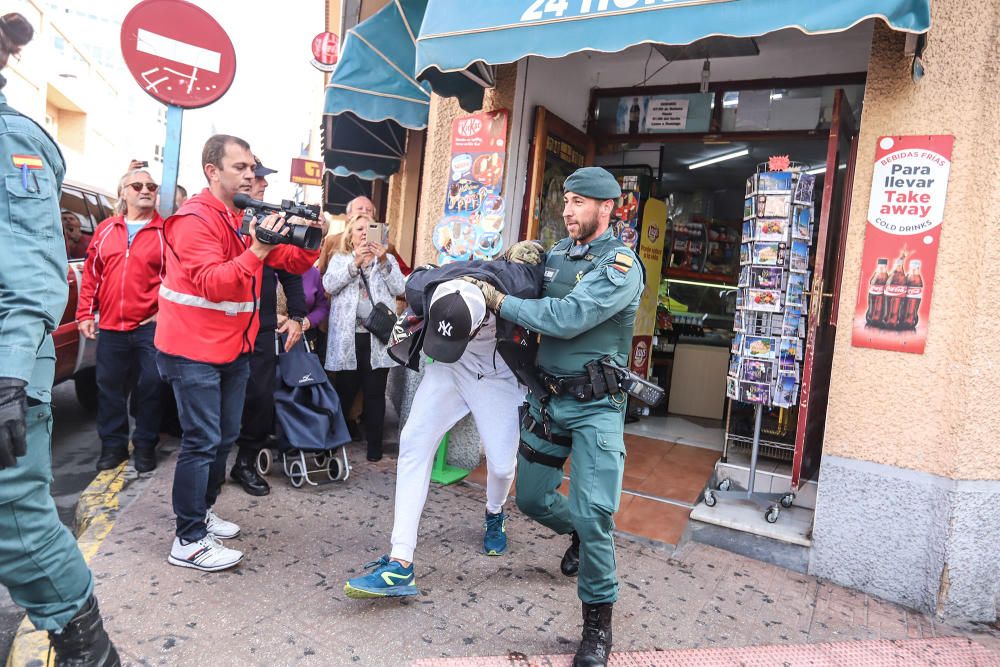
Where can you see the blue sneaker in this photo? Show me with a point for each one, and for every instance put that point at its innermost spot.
(495, 537)
(388, 579)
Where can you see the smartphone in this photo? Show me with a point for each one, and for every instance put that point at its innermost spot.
(376, 233)
(143, 163)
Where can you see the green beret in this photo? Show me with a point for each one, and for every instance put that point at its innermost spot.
(593, 182)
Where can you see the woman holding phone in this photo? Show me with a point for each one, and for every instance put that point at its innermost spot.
(359, 359)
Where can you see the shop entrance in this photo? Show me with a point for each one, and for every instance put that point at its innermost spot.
(700, 181)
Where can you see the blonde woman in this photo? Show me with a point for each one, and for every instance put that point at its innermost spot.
(359, 359)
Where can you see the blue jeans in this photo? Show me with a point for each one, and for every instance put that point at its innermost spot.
(210, 405)
(126, 364)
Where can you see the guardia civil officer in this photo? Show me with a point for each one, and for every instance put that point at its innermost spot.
(590, 295)
(40, 563)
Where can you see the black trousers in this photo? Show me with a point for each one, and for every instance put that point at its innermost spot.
(126, 366)
(258, 408)
(372, 382)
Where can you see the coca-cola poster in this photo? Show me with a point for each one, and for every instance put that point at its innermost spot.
(905, 213)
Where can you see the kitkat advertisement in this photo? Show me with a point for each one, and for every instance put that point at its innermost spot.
(905, 213)
(474, 209)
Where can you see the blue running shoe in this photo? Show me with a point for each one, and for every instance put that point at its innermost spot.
(388, 579)
(495, 537)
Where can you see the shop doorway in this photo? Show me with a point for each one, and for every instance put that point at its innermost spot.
(703, 182)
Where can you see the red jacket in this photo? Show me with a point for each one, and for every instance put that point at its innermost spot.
(211, 292)
(121, 282)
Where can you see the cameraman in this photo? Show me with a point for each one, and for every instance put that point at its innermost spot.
(207, 325)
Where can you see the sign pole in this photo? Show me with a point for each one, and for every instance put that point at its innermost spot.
(171, 159)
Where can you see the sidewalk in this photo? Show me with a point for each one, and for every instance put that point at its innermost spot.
(285, 604)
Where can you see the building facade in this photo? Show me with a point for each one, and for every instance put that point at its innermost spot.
(909, 477)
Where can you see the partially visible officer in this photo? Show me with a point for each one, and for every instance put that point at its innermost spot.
(206, 330)
(258, 408)
(40, 563)
(590, 295)
(121, 279)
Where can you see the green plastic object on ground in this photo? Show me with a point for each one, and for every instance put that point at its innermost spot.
(442, 473)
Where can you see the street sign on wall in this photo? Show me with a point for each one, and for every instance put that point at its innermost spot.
(306, 172)
(325, 53)
(178, 53)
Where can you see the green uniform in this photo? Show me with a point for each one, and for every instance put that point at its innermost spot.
(586, 312)
(40, 563)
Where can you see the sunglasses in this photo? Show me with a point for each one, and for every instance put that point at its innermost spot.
(152, 187)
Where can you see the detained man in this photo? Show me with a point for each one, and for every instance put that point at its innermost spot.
(464, 374)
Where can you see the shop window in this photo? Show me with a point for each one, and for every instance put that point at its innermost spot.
(784, 108)
(655, 114)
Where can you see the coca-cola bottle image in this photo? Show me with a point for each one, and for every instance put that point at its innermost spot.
(876, 293)
(914, 294)
(633, 116)
(895, 295)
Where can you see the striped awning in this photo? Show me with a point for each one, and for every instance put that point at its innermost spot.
(374, 95)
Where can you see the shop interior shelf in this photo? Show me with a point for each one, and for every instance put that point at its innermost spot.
(721, 278)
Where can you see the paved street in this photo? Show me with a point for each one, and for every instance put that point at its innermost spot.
(285, 603)
(74, 451)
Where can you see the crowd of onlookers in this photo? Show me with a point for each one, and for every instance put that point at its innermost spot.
(326, 305)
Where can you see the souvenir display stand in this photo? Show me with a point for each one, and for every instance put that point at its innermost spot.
(771, 312)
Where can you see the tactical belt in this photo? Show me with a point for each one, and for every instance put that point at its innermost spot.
(534, 456)
(595, 384)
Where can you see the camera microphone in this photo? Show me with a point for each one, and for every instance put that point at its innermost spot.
(246, 201)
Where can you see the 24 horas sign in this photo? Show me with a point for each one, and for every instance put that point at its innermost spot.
(905, 213)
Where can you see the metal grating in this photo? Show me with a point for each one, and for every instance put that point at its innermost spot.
(941, 652)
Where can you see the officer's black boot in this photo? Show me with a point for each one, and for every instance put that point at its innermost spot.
(570, 564)
(83, 642)
(245, 473)
(595, 647)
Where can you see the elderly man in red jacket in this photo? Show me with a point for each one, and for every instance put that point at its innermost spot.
(121, 278)
(207, 324)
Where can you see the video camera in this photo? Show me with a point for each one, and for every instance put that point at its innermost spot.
(300, 236)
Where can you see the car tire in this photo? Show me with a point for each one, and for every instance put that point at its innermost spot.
(85, 385)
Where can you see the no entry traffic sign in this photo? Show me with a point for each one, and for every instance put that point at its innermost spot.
(178, 53)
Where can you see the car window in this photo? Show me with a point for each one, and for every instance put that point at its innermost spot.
(109, 206)
(78, 221)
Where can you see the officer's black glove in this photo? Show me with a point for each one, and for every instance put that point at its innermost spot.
(13, 407)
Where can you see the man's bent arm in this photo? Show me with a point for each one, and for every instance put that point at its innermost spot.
(603, 292)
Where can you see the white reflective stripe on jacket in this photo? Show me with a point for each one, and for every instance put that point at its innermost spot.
(228, 307)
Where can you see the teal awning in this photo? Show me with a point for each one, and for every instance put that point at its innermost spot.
(504, 31)
(374, 96)
(375, 79)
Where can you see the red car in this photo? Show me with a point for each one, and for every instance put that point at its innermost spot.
(82, 207)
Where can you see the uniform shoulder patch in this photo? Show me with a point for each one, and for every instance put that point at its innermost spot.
(24, 161)
(622, 262)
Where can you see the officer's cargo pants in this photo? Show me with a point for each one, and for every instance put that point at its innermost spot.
(40, 563)
(597, 465)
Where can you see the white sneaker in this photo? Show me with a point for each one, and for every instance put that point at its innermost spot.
(222, 529)
(206, 554)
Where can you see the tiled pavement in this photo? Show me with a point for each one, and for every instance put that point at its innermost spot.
(285, 604)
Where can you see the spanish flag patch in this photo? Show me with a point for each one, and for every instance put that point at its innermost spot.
(28, 161)
(623, 262)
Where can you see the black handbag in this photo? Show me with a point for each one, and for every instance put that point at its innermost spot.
(382, 319)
